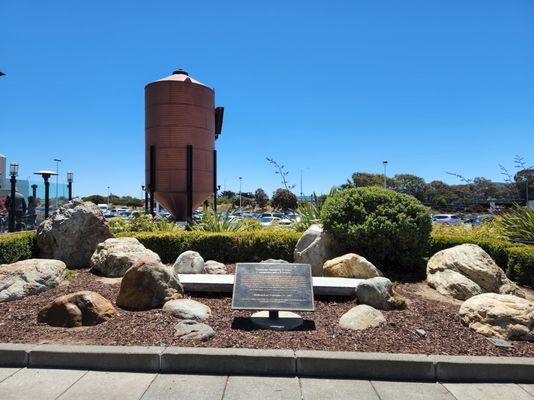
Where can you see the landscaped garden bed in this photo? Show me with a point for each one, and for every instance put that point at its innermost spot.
(321, 331)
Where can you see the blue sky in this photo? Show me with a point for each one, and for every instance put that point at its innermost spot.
(326, 87)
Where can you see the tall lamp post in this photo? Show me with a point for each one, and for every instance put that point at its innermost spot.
(13, 171)
(143, 188)
(57, 161)
(240, 180)
(69, 182)
(385, 162)
(46, 176)
(109, 196)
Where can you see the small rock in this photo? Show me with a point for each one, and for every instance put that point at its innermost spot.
(83, 308)
(361, 317)
(187, 309)
(378, 292)
(274, 261)
(193, 330)
(115, 256)
(189, 262)
(501, 315)
(214, 268)
(421, 332)
(498, 342)
(148, 284)
(23, 278)
(350, 266)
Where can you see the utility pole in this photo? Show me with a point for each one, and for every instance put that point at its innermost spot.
(240, 180)
(385, 162)
(57, 160)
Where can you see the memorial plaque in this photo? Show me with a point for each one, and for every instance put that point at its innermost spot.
(280, 287)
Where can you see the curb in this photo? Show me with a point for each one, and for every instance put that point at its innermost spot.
(301, 363)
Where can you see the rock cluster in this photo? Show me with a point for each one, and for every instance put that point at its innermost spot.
(148, 284)
(466, 270)
(115, 256)
(72, 233)
(83, 308)
(27, 277)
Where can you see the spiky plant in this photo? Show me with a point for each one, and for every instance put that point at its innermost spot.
(517, 224)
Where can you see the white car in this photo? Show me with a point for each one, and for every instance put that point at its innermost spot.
(446, 219)
(268, 221)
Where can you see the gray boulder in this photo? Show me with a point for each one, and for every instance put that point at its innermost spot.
(72, 233)
(115, 256)
(378, 292)
(193, 330)
(27, 277)
(187, 309)
(214, 268)
(314, 247)
(189, 262)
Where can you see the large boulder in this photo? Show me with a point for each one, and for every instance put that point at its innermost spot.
(466, 270)
(314, 247)
(27, 277)
(378, 292)
(189, 262)
(187, 309)
(83, 308)
(214, 268)
(350, 266)
(361, 317)
(115, 256)
(72, 233)
(148, 284)
(505, 316)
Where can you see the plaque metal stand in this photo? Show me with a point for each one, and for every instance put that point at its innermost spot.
(276, 320)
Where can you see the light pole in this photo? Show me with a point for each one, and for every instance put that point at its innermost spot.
(109, 195)
(385, 162)
(13, 171)
(240, 180)
(57, 161)
(69, 180)
(46, 175)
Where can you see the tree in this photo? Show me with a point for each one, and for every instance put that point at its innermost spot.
(436, 194)
(410, 184)
(524, 182)
(365, 179)
(280, 170)
(261, 198)
(283, 199)
(96, 199)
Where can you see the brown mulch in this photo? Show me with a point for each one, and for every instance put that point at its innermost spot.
(445, 333)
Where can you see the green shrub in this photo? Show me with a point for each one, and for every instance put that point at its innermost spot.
(227, 247)
(17, 246)
(521, 265)
(496, 248)
(390, 229)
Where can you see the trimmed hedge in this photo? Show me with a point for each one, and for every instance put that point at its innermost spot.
(17, 246)
(516, 259)
(226, 247)
(521, 265)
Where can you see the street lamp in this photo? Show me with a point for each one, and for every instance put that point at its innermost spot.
(69, 181)
(143, 188)
(57, 161)
(46, 175)
(240, 180)
(109, 195)
(385, 162)
(13, 171)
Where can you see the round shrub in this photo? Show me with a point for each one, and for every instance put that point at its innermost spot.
(390, 229)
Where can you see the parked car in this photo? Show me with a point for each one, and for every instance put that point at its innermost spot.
(268, 221)
(446, 219)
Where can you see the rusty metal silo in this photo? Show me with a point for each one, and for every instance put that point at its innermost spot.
(181, 125)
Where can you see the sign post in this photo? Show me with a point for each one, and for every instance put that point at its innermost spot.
(275, 289)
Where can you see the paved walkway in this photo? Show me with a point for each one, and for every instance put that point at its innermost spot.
(42, 384)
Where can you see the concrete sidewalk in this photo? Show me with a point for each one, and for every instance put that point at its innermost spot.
(63, 384)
